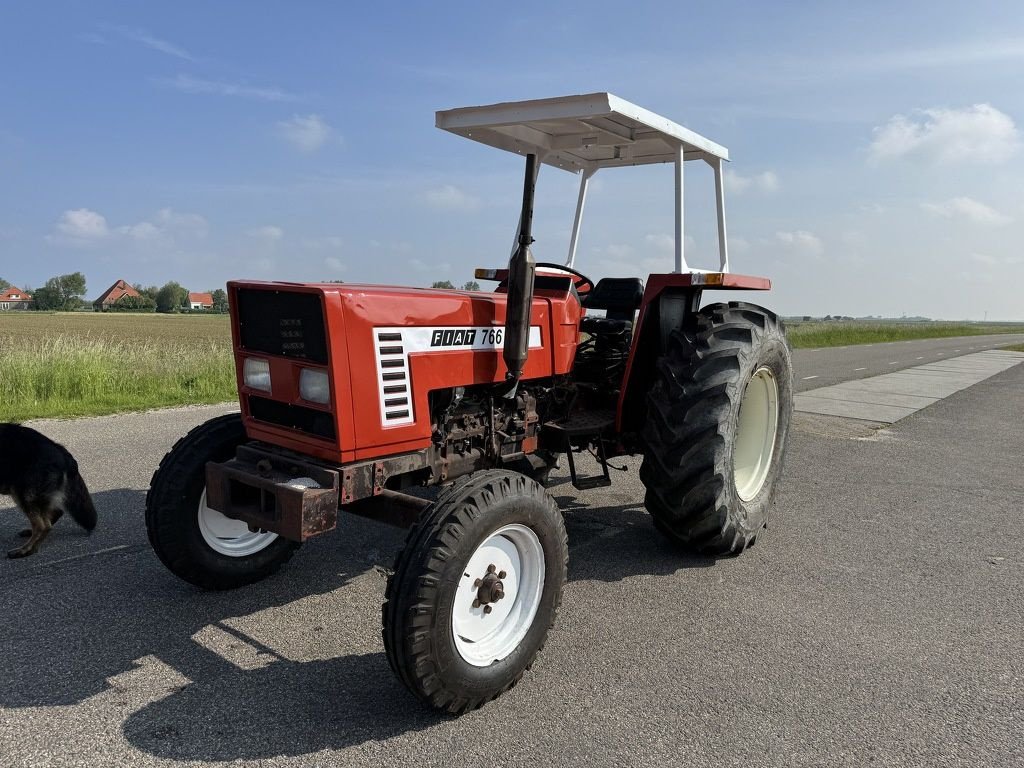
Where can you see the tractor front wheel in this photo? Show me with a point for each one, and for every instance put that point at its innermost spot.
(475, 590)
(717, 428)
(198, 543)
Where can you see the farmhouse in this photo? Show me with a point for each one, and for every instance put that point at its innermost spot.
(12, 298)
(114, 294)
(200, 301)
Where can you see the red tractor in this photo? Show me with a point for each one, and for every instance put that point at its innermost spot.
(353, 395)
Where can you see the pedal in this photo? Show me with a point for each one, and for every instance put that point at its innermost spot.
(586, 483)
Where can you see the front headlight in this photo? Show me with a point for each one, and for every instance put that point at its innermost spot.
(256, 373)
(314, 386)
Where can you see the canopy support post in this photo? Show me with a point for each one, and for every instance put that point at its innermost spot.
(578, 221)
(680, 255)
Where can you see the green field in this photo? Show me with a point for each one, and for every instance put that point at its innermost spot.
(841, 333)
(84, 364)
(1014, 348)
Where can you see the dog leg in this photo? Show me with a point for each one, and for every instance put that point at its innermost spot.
(53, 515)
(40, 528)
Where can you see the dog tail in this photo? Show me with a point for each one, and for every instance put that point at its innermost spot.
(78, 502)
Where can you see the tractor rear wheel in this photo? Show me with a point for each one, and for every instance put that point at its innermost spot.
(717, 428)
(475, 590)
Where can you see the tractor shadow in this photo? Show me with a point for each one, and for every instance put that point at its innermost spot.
(287, 708)
(291, 708)
(81, 613)
(611, 543)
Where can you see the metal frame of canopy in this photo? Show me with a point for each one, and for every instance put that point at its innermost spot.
(583, 134)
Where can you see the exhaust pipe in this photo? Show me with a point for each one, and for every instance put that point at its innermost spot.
(521, 269)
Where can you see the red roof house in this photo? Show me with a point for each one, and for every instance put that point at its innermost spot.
(14, 298)
(114, 294)
(200, 301)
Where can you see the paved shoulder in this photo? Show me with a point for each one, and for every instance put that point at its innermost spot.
(893, 396)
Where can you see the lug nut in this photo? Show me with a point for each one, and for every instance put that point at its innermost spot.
(502, 574)
(477, 583)
(487, 609)
(491, 568)
(476, 603)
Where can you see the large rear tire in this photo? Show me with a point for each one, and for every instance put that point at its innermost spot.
(197, 543)
(475, 590)
(717, 428)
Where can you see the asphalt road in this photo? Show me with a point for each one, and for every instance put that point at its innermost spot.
(878, 621)
(813, 368)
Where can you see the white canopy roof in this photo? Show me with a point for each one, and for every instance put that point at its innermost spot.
(580, 133)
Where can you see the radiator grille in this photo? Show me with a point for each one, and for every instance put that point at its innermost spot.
(310, 420)
(283, 323)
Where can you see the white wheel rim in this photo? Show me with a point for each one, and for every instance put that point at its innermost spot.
(230, 537)
(482, 637)
(755, 435)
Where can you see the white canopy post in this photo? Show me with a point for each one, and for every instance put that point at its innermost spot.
(574, 241)
(723, 244)
(680, 255)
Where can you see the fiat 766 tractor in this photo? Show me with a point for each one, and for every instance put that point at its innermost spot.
(352, 395)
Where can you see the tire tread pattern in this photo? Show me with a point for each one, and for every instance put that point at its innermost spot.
(411, 593)
(686, 435)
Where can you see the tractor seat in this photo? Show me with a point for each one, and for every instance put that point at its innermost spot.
(620, 297)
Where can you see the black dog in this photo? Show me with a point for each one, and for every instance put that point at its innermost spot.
(43, 479)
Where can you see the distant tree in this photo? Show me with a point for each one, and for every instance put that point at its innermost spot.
(172, 297)
(471, 285)
(63, 293)
(220, 300)
(148, 290)
(46, 300)
(4, 285)
(442, 284)
(133, 304)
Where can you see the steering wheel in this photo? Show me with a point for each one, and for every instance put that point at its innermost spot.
(582, 283)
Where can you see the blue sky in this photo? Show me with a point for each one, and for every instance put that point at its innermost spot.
(877, 152)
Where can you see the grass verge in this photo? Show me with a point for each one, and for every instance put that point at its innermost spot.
(804, 335)
(1014, 348)
(60, 366)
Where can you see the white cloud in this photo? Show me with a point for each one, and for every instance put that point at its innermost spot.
(331, 242)
(143, 37)
(450, 198)
(738, 244)
(992, 261)
(82, 225)
(434, 268)
(189, 84)
(307, 133)
(980, 133)
(802, 240)
(967, 208)
(85, 227)
(182, 223)
(269, 233)
(766, 181)
(334, 263)
(143, 231)
(662, 242)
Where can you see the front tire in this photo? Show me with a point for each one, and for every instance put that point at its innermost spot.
(475, 590)
(195, 542)
(717, 428)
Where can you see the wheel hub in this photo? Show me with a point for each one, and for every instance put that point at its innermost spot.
(498, 595)
(490, 589)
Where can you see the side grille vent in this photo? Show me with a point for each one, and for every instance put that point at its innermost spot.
(393, 379)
